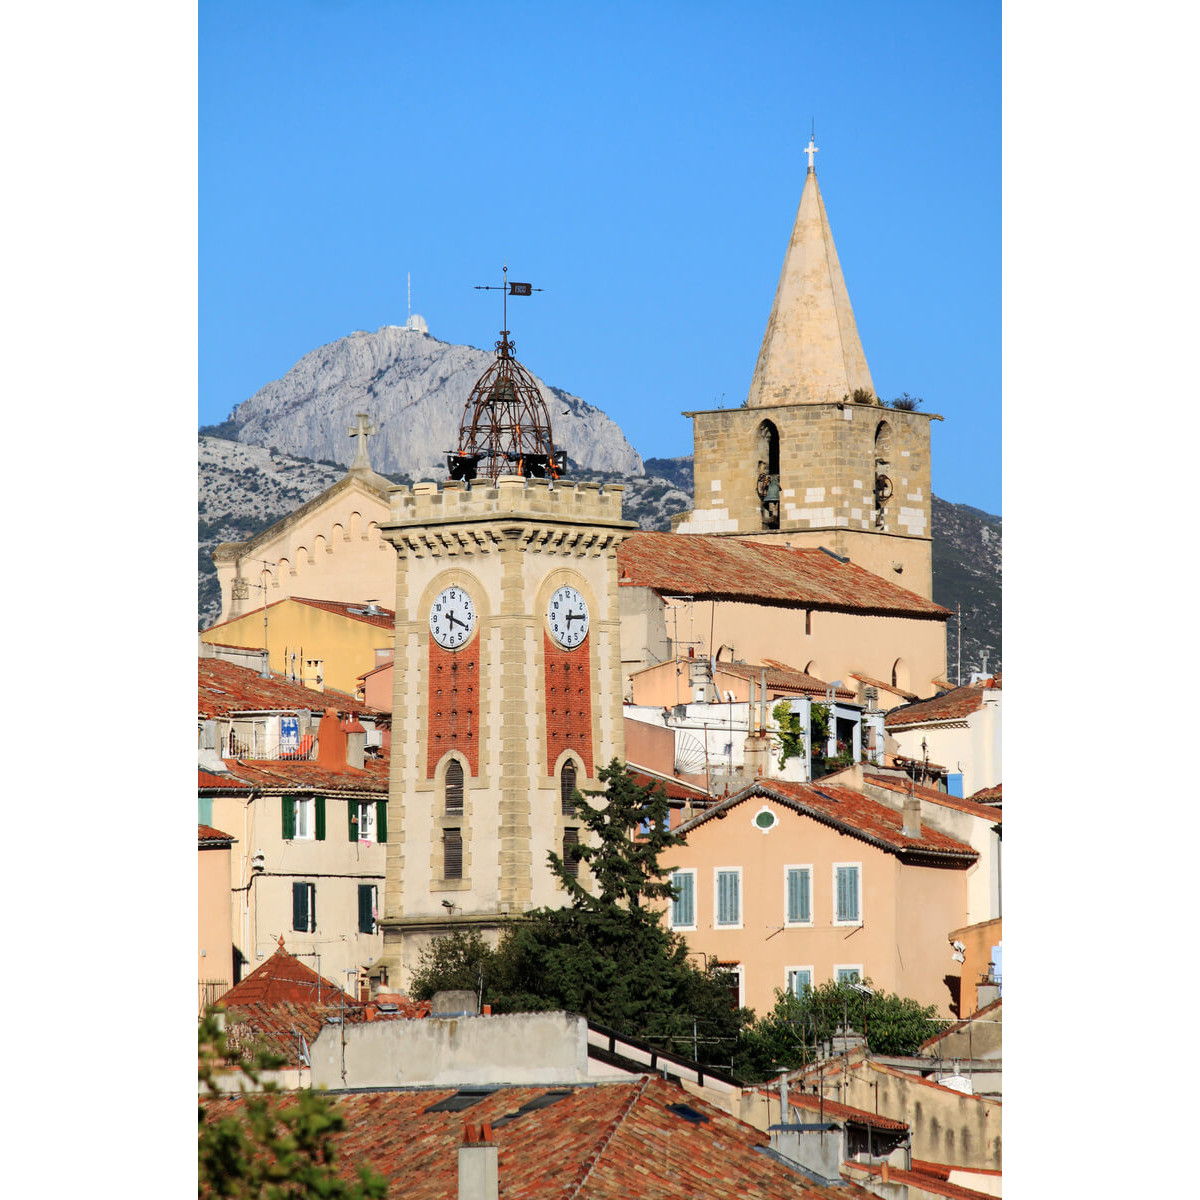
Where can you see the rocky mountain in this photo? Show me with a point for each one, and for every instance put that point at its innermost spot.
(245, 488)
(413, 388)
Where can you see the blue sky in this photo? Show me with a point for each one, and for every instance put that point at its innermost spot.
(640, 162)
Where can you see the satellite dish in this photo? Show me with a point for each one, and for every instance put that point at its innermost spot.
(689, 754)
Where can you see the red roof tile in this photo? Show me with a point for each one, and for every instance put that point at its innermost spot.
(895, 783)
(605, 1141)
(843, 1112)
(676, 789)
(226, 688)
(211, 838)
(732, 569)
(887, 687)
(783, 677)
(988, 795)
(956, 705)
(924, 1181)
(288, 774)
(382, 618)
(851, 812)
(283, 977)
(220, 780)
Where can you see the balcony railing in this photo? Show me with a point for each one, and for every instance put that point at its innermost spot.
(210, 991)
(256, 744)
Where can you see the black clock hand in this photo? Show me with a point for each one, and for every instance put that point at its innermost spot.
(454, 620)
(573, 617)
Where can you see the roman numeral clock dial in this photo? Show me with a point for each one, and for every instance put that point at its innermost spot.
(452, 617)
(567, 616)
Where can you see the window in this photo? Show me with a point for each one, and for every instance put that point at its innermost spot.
(847, 894)
(798, 895)
(570, 860)
(454, 788)
(729, 897)
(683, 907)
(798, 979)
(452, 855)
(368, 908)
(303, 817)
(304, 907)
(848, 974)
(368, 821)
(567, 788)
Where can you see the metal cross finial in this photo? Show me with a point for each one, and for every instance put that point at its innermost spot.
(810, 150)
(362, 431)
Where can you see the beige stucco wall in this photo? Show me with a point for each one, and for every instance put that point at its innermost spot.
(510, 546)
(318, 551)
(906, 910)
(972, 746)
(345, 646)
(214, 960)
(835, 645)
(827, 473)
(262, 904)
(978, 940)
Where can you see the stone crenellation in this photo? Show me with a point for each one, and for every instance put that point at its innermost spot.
(510, 496)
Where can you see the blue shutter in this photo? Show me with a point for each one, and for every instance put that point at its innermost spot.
(727, 898)
(206, 810)
(847, 894)
(798, 981)
(683, 909)
(798, 895)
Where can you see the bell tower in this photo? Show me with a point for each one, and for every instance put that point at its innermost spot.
(813, 458)
(508, 687)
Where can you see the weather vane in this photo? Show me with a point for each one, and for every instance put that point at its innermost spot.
(505, 345)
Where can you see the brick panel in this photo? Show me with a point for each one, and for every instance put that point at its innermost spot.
(568, 702)
(453, 704)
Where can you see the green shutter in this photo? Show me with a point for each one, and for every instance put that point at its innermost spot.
(312, 907)
(352, 819)
(320, 818)
(288, 810)
(381, 820)
(366, 923)
(300, 906)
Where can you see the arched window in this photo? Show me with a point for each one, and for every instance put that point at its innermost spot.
(767, 471)
(454, 788)
(900, 674)
(883, 442)
(567, 788)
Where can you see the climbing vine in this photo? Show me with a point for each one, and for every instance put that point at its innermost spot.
(791, 738)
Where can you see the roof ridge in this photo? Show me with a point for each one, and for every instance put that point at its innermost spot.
(590, 1163)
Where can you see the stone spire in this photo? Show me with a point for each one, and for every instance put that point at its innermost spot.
(810, 352)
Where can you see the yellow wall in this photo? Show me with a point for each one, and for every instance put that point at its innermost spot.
(906, 911)
(347, 646)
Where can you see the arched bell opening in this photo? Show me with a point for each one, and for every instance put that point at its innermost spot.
(767, 482)
(883, 482)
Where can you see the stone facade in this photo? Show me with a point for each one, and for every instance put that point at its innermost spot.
(509, 546)
(827, 458)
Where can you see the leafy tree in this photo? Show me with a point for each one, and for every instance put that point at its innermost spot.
(275, 1145)
(789, 1034)
(606, 955)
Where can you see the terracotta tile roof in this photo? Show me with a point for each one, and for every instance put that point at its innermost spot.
(732, 569)
(849, 811)
(887, 687)
(843, 1112)
(926, 1182)
(274, 1026)
(605, 1141)
(955, 705)
(225, 688)
(781, 676)
(283, 977)
(220, 781)
(988, 795)
(212, 839)
(895, 783)
(676, 789)
(287, 774)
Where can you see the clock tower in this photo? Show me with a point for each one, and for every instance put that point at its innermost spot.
(507, 677)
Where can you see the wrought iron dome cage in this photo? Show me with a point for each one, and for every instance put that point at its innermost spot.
(505, 427)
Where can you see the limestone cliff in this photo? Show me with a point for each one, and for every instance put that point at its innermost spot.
(414, 389)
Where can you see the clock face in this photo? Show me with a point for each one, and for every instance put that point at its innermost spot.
(567, 614)
(452, 617)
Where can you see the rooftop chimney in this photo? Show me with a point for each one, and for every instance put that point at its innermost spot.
(478, 1165)
(912, 817)
(331, 741)
(356, 743)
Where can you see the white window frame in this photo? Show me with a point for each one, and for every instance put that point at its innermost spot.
(308, 806)
(695, 900)
(798, 867)
(859, 919)
(740, 972)
(847, 967)
(787, 981)
(717, 922)
(367, 822)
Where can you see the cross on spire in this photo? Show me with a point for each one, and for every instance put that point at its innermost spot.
(362, 431)
(810, 150)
